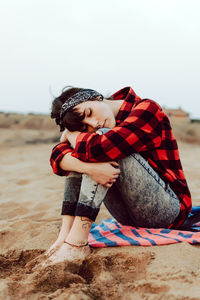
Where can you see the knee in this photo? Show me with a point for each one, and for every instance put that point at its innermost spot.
(133, 159)
(132, 164)
(103, 130)
(73, 180)
(73, 174)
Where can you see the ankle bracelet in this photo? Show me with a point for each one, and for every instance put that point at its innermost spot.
(77, 246)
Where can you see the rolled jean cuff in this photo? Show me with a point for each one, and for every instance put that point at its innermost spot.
(86, 211)
(68, 208)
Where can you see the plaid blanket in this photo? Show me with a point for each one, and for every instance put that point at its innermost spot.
(111, 233)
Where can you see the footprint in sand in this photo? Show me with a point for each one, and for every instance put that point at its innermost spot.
(22, 182)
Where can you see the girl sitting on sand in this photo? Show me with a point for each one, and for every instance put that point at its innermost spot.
(120, 151)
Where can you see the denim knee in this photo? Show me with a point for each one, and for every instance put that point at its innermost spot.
(104, 130)
(71, 193)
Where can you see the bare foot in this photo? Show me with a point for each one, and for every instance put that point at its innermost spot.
(67, 252)
(40, 259)
(56, 245)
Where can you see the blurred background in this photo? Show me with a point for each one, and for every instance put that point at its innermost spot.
(151, 45)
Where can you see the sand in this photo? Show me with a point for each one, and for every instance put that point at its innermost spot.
(31, 198)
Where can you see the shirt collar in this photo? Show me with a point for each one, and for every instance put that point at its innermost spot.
(130, 98)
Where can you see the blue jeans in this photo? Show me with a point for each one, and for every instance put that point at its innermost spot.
(139, 197)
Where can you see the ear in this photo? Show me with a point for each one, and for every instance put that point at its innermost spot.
(99, 98)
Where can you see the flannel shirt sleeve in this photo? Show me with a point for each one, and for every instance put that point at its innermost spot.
(58, 152)
(140, 131)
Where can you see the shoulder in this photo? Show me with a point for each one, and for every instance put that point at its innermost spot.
(146, 102)
(147, 108)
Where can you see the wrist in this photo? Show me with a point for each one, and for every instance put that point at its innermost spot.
(86, 168)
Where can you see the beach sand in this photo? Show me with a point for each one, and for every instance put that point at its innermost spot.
(31, 198)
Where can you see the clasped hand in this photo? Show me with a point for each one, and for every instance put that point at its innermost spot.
(70, 137)
(105, 173)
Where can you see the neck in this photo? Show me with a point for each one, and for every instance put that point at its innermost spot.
(114, 105)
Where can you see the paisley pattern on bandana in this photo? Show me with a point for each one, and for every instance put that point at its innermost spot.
(79, 97)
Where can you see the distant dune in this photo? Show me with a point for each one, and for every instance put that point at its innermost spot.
(38, 128)
(19, 129)
(187, 131)
(26, 121)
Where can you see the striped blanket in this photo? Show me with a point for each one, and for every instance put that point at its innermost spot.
(111, 233)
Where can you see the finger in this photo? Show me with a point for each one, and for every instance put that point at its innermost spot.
(108, 185)
(99, 132)
(114, 164)
(117, 172)
(113, 180)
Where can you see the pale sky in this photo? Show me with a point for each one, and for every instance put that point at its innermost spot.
(151, 45)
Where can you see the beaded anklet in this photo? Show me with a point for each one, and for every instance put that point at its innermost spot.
(77, 246)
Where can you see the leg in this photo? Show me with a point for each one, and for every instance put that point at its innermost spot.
(150, 201)
(87, 207)
(116, 205)
(91, 196)
(88, 203)
(71, 194)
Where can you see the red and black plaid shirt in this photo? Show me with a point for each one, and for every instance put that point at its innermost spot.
(142, 127)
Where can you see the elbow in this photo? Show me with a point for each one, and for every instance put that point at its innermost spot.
(62, 164)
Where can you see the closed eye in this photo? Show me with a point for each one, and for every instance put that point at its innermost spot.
(89, 112)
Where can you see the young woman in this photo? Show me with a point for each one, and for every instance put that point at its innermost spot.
(120, 151)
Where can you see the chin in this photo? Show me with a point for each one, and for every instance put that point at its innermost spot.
(113, 124)
(110, 123)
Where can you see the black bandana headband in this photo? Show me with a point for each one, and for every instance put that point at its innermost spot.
(79, 97)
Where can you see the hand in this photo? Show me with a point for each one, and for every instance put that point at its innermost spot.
(69, 136)
(105, 173)
(64, 137)
(99, 132)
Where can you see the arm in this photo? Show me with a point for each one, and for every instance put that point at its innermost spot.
(103, 173)
(58, 152)
(61, 152)
(69, 163)
(140, 131)
(62, 163)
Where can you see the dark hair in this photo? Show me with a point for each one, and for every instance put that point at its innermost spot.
(72, 119)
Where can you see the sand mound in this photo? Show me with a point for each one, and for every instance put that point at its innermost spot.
(96, 277)
(115, 273)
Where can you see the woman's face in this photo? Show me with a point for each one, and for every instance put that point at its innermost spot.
(97, 115)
